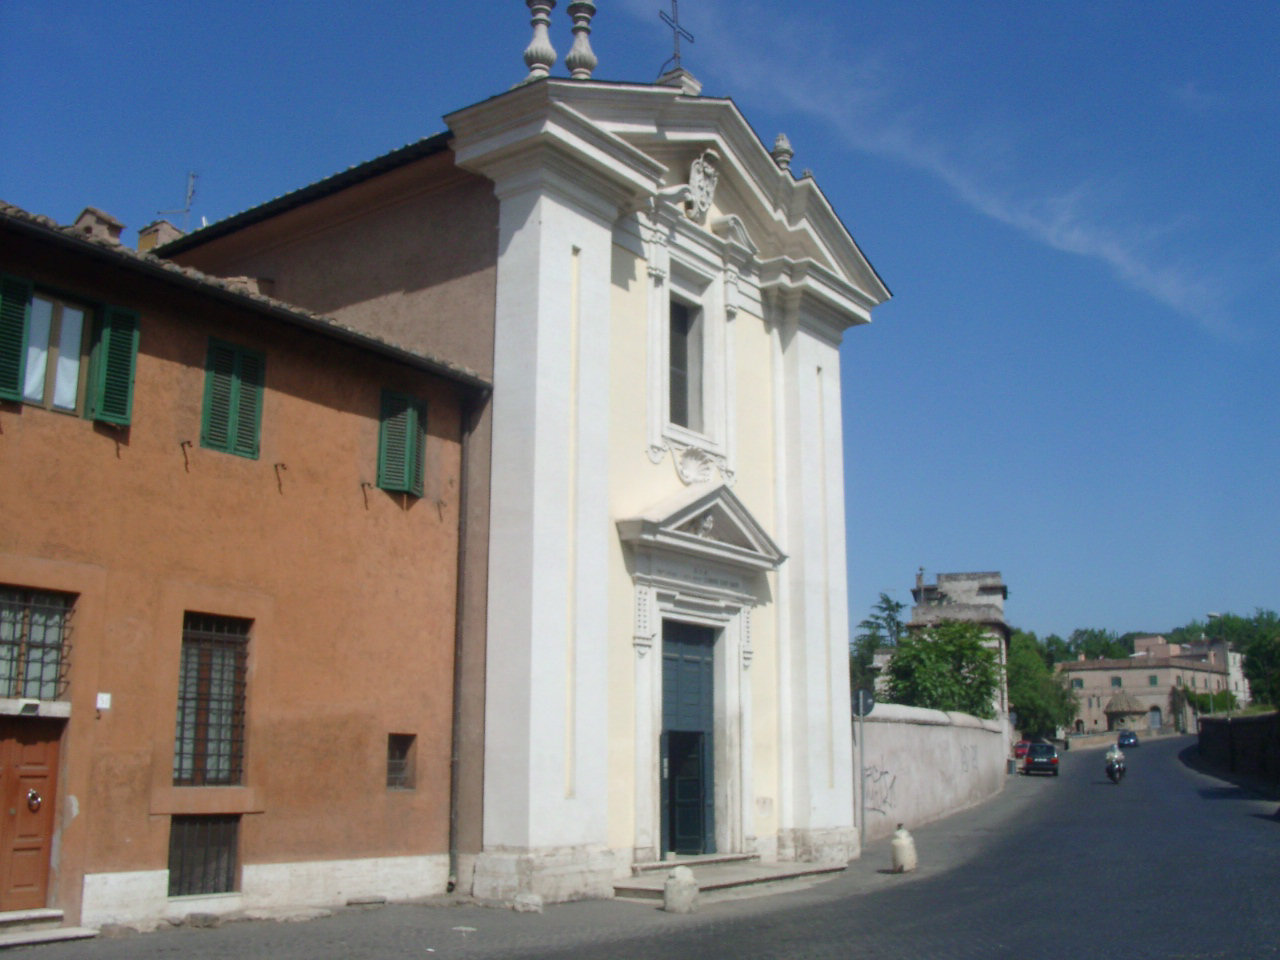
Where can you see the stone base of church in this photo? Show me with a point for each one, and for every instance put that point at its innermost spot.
(819, 845)
(552, 874)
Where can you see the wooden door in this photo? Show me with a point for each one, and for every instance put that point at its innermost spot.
(28, 794)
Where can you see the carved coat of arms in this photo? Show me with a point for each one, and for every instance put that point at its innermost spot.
(703, 176)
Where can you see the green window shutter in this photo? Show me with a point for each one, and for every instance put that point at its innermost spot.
(419, 447)
(400, 443)
(112, 367)
(15, 305)
(248, 416)
(219, 396)
(233, 385)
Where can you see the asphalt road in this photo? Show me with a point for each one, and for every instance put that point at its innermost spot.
(1171, 864)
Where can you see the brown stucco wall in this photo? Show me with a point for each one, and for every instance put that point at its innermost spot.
(410, 256)
(351, 589)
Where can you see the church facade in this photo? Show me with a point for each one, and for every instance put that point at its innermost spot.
(667, 619)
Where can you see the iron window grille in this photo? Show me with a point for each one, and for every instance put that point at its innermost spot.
(400, 757)
(202, 854)
(35, 648)
(209, 742)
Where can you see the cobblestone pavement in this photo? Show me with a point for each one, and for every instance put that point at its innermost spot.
(1172, 864)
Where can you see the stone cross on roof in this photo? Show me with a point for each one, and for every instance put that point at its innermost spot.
(673, 21)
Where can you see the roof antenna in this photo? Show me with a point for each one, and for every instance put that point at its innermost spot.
(186, 210)
(672, 20)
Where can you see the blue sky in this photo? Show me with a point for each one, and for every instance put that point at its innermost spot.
(1075, 205)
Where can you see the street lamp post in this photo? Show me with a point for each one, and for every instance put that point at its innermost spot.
(1226, 655)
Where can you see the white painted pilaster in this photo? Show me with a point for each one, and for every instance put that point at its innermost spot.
(816, 815)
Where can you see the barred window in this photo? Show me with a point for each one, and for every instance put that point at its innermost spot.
(209, 742)
(400, 761)
(202, 854)
(35, 627)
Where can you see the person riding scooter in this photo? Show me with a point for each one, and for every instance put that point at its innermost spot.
(1115, 763)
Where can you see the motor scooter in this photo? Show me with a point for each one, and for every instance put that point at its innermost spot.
(1115, 770)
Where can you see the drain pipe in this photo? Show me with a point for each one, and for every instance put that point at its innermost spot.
(470, 405)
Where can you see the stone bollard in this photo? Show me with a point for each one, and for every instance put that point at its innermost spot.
(527, 903)
(904, 851)
(680, 892)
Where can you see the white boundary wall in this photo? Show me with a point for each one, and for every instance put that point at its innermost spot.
(921, 765)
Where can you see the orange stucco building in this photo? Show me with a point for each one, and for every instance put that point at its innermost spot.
(229, 587)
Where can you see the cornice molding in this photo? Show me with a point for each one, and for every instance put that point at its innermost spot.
(509, 135)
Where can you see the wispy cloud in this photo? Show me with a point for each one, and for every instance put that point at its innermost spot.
(811, 71)
(1191, 97)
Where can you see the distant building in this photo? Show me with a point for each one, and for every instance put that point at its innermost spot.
(1107, 689)
(971, 598)
(1211, 651)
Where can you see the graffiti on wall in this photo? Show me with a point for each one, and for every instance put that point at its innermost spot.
(878, 789)
(968, 759)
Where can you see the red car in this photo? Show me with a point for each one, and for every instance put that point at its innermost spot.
(1020, 749)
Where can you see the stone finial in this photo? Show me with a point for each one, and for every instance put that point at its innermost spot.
(540, 55)
(580, 60)
(782, 152)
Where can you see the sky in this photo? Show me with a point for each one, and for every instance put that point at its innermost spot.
(1076, 207)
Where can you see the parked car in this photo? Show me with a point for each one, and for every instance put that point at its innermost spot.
(1127, 739)
(1041, 758)
(1020, 749)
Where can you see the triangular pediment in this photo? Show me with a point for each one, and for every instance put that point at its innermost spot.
(707, 522)
(786, 218)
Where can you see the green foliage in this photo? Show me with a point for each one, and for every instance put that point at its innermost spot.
(1257, 637)
(946, 667)
(1098, 645)
(1042, 698)
(1262, 669)
(1211, 701)
(882, 629)
(1056, 650)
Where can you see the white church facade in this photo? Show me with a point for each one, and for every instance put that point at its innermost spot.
(667, 616)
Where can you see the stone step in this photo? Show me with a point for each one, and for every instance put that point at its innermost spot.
(730, 878)
(707, 859)
(21, 937)
(42, 917)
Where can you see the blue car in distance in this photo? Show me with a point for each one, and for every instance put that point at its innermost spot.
(1127, 739)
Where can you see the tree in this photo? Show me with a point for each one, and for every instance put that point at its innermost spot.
(1262, 668)
(945, 667)
(1098, 645)
(1257, 637)
(883, 628)
(1040, 696)
(1057, 650)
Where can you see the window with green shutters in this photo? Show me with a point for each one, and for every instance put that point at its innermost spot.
(113, 361)
(232, 419)
(400, 443)
(43, 340)
(15, 307)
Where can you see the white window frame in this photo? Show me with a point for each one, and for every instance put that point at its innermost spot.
(687, 265)
(54, 379)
